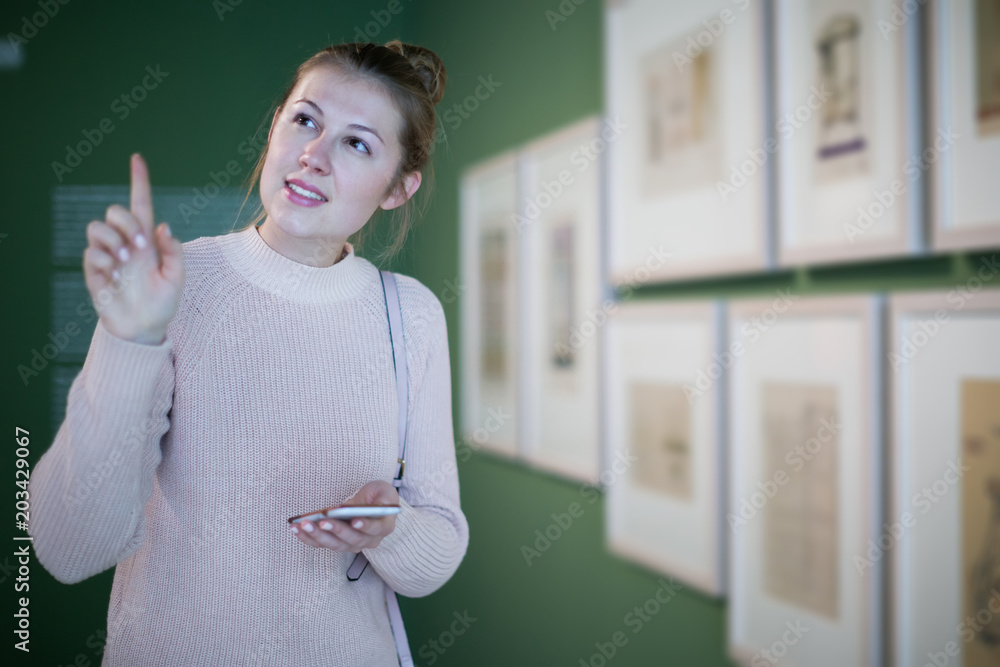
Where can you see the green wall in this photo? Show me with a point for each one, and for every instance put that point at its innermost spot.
(223, 75)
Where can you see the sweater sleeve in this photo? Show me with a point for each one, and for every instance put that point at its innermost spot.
(431, 534)
(88, 491)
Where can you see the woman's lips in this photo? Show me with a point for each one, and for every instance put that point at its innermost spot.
(301, 200)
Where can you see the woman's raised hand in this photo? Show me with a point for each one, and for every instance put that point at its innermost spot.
(134, 273)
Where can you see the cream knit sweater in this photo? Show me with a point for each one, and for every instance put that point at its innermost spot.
(272, 395)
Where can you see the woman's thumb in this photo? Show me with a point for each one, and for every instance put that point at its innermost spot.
(170, 252)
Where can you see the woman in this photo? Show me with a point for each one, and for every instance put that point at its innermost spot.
(238, 380)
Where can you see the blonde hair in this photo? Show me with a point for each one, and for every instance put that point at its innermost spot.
(414, 77)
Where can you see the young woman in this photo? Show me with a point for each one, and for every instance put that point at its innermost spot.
(238, 380)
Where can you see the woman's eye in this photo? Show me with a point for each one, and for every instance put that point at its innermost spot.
(355, 142)
(302, 116)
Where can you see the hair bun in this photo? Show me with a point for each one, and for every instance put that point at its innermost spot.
(429, 67)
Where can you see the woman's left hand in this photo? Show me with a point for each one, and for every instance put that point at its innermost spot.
(355, 534)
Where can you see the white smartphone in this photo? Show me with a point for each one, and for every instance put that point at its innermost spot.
(348, 512)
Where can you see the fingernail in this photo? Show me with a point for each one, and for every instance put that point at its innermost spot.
(358, 523)
(123, 253)
(116, 274)
(308, 528)
(167, 228)
(295, 529)
(140, 241)
(326, 525)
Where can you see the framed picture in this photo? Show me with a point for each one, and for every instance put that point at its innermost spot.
(563, 313)
(965, 119)
(490, 314)
(689, 169)
(942, 534)
(663, 474)
(850, 174)
(805, 469)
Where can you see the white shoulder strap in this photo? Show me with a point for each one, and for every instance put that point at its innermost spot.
(360, 562)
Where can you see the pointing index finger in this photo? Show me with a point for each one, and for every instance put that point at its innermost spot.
(141, 197)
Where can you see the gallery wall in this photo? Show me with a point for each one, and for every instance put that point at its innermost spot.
(552, 69)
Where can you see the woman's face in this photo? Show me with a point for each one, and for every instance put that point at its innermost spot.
(336, 136)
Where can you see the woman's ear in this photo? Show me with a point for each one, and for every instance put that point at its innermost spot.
(402, 192)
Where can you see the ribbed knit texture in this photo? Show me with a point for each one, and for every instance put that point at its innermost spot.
(272, 395)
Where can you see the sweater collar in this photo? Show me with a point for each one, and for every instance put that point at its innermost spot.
(265, 267)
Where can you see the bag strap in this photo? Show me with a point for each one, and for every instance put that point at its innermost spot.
(398, 364)
(360, 563)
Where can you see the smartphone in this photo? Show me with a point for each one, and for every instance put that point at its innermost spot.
(348, 512)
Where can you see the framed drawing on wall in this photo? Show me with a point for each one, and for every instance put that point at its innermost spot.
(965, 114)
(805, 468)
(663, 469)
(490, 315)
(687, 90)
(560, 229)
(943, 528)
(849, 171)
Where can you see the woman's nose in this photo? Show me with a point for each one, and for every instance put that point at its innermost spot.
(315, 157)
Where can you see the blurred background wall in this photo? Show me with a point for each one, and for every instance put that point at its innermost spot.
(224, 64)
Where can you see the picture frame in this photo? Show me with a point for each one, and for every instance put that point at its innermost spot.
(848, 118)
(805, 466)
(945, 481)
(663, 474)
(490, 313)
(678, 205)
(560, 227)
(965, 117)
